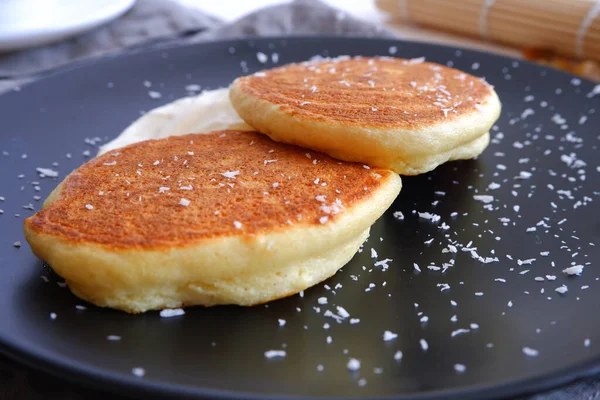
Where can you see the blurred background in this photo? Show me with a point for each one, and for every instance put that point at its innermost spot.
(562, 33)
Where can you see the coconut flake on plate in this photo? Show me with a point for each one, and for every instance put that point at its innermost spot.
(353, 364)
(388, 335)
(275, 354)
(528, 351)
(169, 313)
(574, 270)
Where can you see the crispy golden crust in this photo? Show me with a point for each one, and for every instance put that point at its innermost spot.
(370, 92)
(236, 183)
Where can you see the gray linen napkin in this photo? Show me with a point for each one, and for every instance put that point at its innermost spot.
(149, 21)
(157, 23)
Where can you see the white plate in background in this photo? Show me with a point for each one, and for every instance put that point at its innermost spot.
(28, 23)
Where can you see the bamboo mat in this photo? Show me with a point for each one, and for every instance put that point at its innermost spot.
(567, 27)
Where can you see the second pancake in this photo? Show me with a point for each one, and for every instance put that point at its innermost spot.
(406, 115)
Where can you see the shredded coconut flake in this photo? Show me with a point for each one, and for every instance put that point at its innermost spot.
(353, 364)
(230, 174)
(398, 215)
(342, 312)
(528, 351)
(562, 289)
(459, 332)
(262, 57)
(484, 198)
(460, 368)
(574, 270)
(47, 172)
(430, 216)
(169, 313)
(275, 354)
(595, 91)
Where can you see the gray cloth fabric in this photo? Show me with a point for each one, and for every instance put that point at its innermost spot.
(149, 21)
(158, 23)
(152, 23)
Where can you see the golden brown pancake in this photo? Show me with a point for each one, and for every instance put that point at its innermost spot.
(229, 217)
(405, 115)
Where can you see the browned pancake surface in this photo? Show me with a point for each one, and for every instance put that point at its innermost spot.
(175, 191)
(381, 92)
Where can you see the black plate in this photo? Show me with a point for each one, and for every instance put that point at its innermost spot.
(543, 156)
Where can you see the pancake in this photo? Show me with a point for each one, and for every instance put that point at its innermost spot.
(229, 217)
(405, 115)
(209, 111)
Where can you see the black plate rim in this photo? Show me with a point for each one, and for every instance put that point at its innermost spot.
(78, 372)
(229, 42)
(98, 378)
